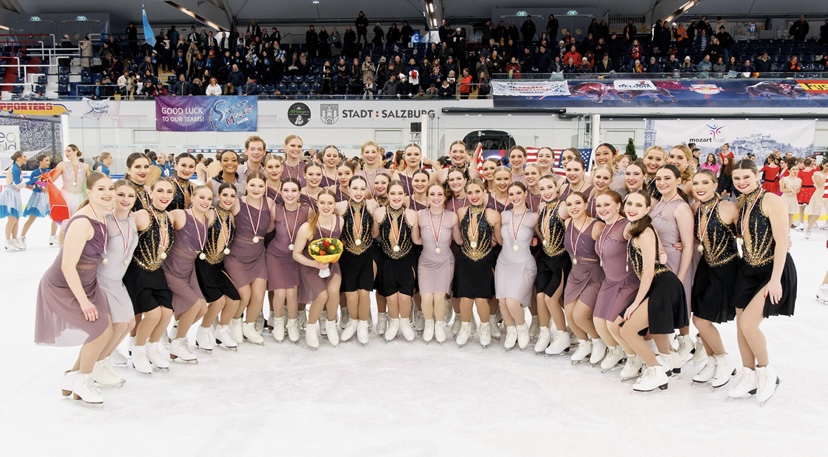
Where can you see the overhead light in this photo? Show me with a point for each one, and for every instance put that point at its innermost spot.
(34, 18)
(430, 7)
(521, 14)
(80, 18)
(315, 2)
(3, 27)
(572, 13)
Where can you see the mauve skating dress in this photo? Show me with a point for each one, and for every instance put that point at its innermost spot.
(515, 271)
(585, 278)
(59, 320)
(282, 270)
(435, 271)
(665, 225)
(310, 284)
(247, 260)
(111, 275)
(620, 283)
(179, 268)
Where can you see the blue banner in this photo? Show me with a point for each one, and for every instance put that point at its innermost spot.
(207, 114)
(667, 93)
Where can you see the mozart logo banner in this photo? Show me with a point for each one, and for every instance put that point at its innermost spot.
(206, 114)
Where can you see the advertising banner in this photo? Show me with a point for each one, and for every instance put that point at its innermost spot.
(670, 93)
(206, 114)
(529, 88)
(760, 137)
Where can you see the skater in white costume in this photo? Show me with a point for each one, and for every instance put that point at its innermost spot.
(766, 283)
(74, 177)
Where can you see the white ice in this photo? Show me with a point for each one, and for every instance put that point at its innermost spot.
(402, 399)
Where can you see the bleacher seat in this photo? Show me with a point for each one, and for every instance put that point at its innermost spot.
(269, 89)
(281, 87)
(97, 77)
(42, 79)
(286, 79)
(63, 79)
(63, 70)
(316, 88)
(63, 89)
(40, 89)
(292, 89)
(298, 79)
(85, 90)
(86, 78)
(304, 88)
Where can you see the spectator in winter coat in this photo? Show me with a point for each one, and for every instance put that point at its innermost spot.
(629, 31)
(604, 65)
(764, 63)
(528, 31)
(182, 86)
(236, 78)
(793, 65)
(704, 67)
(799, 29)
(672, 64)
(391, 87)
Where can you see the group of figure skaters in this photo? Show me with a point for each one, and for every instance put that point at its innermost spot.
(609, 265)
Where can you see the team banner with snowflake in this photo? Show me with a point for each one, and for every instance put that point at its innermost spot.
(207, 114)
(757, 136)
(738, 92)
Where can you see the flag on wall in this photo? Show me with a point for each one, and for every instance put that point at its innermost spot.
(149, 35)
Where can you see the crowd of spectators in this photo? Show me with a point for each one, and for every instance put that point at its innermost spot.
(254, 61)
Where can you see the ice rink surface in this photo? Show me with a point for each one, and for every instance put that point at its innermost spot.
(401, 399)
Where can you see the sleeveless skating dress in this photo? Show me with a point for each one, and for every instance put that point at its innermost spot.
(123, 238)
(38, 204)
(141, 197)
(516, 270)
(568, 190)
(435, 270)
(398, 266)
(11, 204)
(585, 278)
(179, 268)
(247, 260)
(553, 262)
(59, 320)
(74, 186)
(713, 283)
(620, 285)
(282, 270)
(213, 279)
(475, 259)
(666, 309)
(757, 260)
(183, 193)
(357, 260)
(310, 284)
(665, 225)
(296, 172)
(144, 279)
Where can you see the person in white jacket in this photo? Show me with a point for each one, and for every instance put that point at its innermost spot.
(213, 88)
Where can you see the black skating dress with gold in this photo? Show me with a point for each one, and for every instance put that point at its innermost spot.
(399, 262)
(212, 277)
(667, 306)
(357, 260)
(712, 294)
(475, 260)
(144, 279)
(757, 259)
(553, 261)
